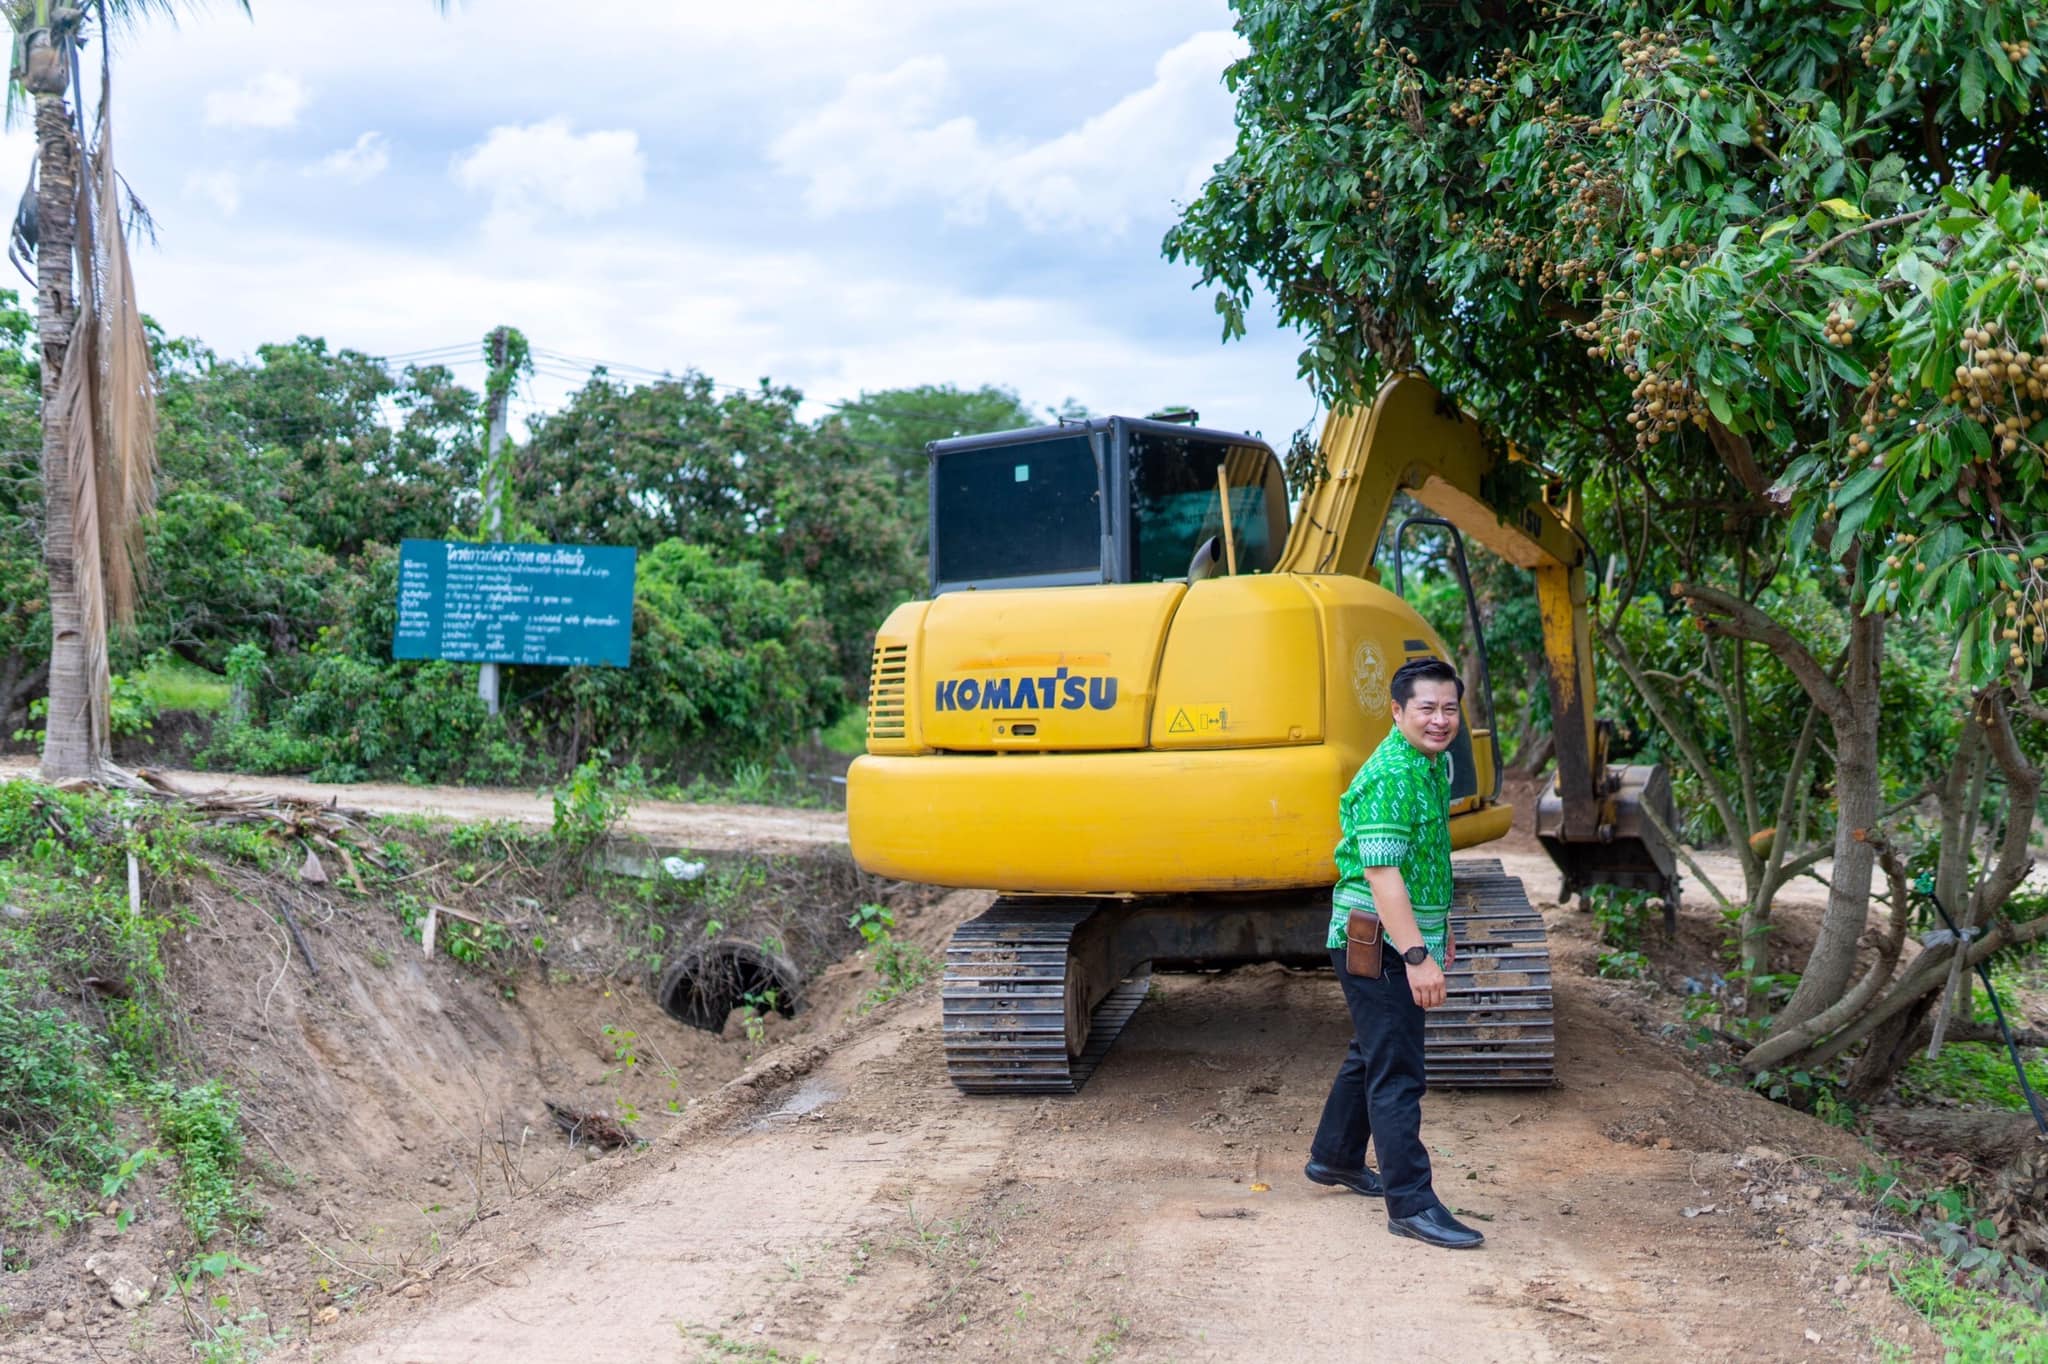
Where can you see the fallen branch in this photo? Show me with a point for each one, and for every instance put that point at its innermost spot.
(291, 923)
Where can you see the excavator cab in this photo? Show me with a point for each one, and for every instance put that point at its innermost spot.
(1111, 500)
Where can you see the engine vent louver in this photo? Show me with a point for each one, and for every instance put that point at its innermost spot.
(887, 682)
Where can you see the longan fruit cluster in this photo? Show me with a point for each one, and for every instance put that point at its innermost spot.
(1840, 328)
(2002, 387)
(1663, 405)
(1649, 52)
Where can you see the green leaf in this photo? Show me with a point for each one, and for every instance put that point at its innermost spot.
(1800, 535)
(1974, 437)
(1848, 523)
(1972, 102)
(1859, 483)
(1782, 225)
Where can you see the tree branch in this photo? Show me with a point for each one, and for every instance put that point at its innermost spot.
(1796, 1039)
(1735, 452)
(1988, 1032)
(1688, 746)
(2022, 791)
(1671, 837)
(1751, 623)
(1872, 226)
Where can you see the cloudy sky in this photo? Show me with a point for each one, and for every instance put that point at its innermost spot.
(841, 194)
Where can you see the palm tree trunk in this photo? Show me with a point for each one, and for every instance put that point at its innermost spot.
(71, 750)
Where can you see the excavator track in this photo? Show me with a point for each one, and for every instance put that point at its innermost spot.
(1497, 1026)
(1008, 1019)
(1005, 1001)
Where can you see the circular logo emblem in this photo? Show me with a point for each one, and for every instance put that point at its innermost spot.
(1369, 678)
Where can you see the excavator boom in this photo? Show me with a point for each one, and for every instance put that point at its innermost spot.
(1599, 824)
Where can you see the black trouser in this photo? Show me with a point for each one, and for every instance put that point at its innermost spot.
(1377, 1095)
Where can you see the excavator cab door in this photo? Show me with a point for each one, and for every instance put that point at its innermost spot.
(1470, 778)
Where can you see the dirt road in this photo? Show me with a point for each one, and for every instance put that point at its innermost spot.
(851, 1206)
(841, 1202)
(716, 828)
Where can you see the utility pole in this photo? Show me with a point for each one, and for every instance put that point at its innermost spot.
(497, 389)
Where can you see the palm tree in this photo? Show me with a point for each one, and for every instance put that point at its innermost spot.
(99, 409)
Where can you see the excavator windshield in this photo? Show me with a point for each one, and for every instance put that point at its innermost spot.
(1112, 500)
(1176, 504)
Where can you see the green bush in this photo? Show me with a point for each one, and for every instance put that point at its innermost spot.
(202, 1127)
(52, 1096)
(727, 665)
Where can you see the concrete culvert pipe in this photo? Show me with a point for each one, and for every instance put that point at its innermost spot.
(704, 985)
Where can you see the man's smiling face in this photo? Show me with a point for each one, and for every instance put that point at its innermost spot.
(1430, 719)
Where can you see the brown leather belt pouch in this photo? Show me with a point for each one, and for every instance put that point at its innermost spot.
(1363, 943)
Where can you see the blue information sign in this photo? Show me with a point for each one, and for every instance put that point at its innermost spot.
(564, 605)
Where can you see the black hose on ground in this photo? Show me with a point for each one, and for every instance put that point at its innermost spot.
(1925, 885)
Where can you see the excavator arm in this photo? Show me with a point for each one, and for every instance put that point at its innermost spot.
(1412, 439)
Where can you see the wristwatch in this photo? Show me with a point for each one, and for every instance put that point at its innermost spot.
(1416, 955)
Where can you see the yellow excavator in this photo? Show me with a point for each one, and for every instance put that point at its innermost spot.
(1136, 692)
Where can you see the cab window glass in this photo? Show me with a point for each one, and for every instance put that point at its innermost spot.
(1017, 511)
(1175, 503)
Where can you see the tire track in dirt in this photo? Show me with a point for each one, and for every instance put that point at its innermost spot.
(865, 1211)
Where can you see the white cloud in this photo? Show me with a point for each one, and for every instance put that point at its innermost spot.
(359, 163)
(221, 188)
(545, 165)
(882, 141)
(271, 100)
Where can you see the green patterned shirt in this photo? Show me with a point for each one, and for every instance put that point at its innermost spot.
(1397, 813)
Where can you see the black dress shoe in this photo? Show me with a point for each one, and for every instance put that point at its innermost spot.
(1436, 1227)
(1359, 1181)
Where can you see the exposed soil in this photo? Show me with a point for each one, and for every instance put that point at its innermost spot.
(393, 1102)
(827, 1193)
(853, 1206)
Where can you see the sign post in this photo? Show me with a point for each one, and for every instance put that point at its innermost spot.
(553, 605)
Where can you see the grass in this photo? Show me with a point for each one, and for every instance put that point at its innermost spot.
(86, 1058)
(1979, 1074)
(715, 1345)
(849, 734)
(174, 684)
(1976, 1326)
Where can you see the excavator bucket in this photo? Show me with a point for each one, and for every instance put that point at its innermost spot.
(1626, 847)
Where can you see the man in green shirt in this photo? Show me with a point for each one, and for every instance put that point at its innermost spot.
(1394, 858)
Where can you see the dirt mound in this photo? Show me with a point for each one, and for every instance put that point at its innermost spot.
(396, 1102)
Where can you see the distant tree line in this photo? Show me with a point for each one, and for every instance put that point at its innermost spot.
(771, 547)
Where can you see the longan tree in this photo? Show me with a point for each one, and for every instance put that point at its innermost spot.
(1770, 280)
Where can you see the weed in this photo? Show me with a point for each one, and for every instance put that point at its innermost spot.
(51, 1092)
(174, 684)
(848, 735)
(201, 1126)
(714, 1345)
(1818, 1093)
(237, 1341)
(1977, 1325)
(902, 966)
(1973, 1074)
(1622, 966)
(587, 807)
(1620, 914)
(1105, 1345)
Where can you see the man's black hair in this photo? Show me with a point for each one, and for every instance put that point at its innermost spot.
(1423, 670)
